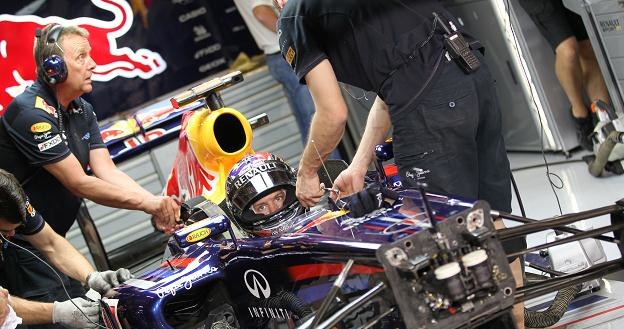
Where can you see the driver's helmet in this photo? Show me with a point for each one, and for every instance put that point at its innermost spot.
(260, 192)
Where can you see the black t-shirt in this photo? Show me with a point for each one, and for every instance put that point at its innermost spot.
(30, 138)
(366, 41)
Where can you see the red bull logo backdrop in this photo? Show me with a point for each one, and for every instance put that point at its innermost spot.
(142, 48)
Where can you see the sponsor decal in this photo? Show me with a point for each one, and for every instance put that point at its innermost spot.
(40, 127)
(201, 33)
(56, 140)
(290, 56)
(43, 136)
(192, 14)
(86, 136)
(198, 235)
(207, 50)
(119, 129)
(257, 284)
(211, 65)
(268, 312)
(610, 25)
(187, 282)
(324, 218)
(29, 208)
(252, 172)
(42, 105)
(417, 173)
(133, 142)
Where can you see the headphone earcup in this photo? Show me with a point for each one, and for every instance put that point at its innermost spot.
(55, 70)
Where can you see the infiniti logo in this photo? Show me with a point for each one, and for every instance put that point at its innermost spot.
(257, 284)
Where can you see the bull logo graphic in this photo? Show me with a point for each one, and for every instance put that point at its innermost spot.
(257, 284)
(17, 36)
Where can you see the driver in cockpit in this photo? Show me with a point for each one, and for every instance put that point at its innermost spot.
(260, 192)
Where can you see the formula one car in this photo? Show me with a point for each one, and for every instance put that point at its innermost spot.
(422, 260)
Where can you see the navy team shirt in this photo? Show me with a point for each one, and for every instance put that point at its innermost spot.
(30, 137)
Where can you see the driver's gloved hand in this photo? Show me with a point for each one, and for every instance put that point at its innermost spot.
(370, 198)
(102, 282)
(69, 316)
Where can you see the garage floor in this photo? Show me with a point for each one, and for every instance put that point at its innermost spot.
(580, 191)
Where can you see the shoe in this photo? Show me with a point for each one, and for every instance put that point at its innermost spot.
(584, 128)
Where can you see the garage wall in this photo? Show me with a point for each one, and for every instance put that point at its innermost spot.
(259, 93)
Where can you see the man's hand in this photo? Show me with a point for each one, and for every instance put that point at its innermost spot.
(309, 191)
(102, 282)
(4, 305)
(350, 180)
(371, 198)
(66, 313)
(279, 4)
(165, 210)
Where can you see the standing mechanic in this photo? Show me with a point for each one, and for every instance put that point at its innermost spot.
(48, 137)
(442, 107)
(576, 65)
(261, 19)
(18, 219)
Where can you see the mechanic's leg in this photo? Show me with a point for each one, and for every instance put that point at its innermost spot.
(494, 170)
(516, 270)
(593, 80)
(570, 75)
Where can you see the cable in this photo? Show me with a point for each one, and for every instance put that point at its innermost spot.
(515, 187)
(550, 164)
(57, 275)
(549, 174)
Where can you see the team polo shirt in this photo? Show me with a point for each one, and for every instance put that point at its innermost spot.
(30, 137)
(366, 41)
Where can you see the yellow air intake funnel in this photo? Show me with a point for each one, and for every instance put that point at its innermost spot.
(219, 139)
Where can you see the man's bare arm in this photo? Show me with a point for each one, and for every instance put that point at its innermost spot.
(61, 253)
(329, 120)
(266, 15)
(32, 312)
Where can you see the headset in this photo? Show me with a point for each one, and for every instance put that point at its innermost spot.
(54, 67)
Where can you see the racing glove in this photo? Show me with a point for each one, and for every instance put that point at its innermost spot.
(102, 282)
(370, 198)
(70, 316)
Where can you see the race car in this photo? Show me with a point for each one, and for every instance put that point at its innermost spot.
(422, 260)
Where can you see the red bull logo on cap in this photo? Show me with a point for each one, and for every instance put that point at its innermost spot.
(17, 37)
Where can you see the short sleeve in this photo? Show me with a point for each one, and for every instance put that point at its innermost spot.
(95, 137)
(36, 135)
(33, 222)
(256, 3)
(299, 45)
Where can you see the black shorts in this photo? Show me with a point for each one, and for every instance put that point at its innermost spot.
(555, 22)
(450, 138)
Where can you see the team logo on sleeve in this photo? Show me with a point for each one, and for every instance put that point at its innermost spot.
(40, 127)
(43, 136)
(56, 140)
(290, 55)
(42, 105)
(29, 208)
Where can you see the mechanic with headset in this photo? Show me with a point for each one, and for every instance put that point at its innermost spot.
(48, 137)
(432, 88)
(19, 219)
